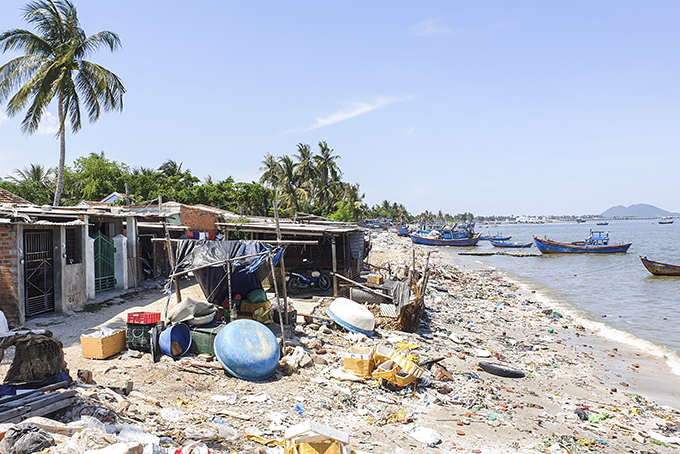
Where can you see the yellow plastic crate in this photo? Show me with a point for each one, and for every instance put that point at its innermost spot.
(103, 347)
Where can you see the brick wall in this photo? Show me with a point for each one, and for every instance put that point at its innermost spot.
(9, 274)
(197, 219)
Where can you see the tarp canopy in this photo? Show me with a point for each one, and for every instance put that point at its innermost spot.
(208, 261)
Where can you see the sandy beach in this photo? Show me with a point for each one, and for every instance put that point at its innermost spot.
(627, 399)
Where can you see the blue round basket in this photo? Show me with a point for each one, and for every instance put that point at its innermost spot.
(179, 333)
(247, 350)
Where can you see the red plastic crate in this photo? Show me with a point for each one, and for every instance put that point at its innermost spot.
(144, 318)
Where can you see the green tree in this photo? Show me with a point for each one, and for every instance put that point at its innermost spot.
(327, 174)
(94, 177)
(54, 65)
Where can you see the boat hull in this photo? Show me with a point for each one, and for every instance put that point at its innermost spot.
(445, 242)
(660, 269)
(498, 243)
(553, 247)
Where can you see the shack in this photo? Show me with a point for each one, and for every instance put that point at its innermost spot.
(339, 247)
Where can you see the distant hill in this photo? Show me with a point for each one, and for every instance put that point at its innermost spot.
(640, 210)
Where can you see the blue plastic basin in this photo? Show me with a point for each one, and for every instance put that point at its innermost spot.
(247, 350)
(179, 333)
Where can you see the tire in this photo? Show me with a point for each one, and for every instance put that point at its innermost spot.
(324, 282)
(294, 286)
(500, 370)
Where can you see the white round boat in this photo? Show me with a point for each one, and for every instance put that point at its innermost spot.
(352, 316)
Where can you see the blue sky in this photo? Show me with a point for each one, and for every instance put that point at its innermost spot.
(494, 107)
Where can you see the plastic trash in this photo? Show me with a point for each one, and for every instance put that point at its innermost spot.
(299, 409)
(224, 429)
(425, 435)
(193, 448)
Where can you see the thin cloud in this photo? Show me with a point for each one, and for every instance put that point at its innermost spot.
(432, 27)
(3, 118)
(356, 109)
(49, 124)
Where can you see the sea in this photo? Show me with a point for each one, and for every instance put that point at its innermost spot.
(611, 293)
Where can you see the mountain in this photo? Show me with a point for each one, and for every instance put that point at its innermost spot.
(640, 210)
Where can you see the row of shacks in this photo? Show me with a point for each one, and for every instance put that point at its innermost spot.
(56, 259)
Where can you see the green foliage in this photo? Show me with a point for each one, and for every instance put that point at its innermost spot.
(311, 183)
(54, 67)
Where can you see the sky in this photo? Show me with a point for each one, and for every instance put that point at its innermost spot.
(516, 108)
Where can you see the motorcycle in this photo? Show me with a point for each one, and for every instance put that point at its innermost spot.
(313, 277)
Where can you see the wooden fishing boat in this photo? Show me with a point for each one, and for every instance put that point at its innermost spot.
(402, 231)
(666, 221)
(659, 268)
(502, 243)
(596, 243)
(603, 223)
(430, 241)
(496, 238)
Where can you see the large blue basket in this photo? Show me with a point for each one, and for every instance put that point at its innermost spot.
(247, 349)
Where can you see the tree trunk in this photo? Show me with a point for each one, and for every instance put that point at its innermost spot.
(62, 152)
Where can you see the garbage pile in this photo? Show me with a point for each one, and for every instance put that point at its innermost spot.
(486, 370)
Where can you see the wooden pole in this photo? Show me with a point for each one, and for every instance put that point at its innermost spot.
(282, 265)
(278, 304)
(171, 258)
(335, 267)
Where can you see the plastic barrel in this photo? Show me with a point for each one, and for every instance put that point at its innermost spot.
(247, 350)
(179, 333)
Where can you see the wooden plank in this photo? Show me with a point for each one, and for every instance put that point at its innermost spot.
(61, 384)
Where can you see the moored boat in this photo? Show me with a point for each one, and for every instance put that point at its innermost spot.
(659, 268)
(432, 241)
(503, 243)
(596, 243)
(666, 221)
(497, 237)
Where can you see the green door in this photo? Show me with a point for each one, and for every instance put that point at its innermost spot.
(104, 263)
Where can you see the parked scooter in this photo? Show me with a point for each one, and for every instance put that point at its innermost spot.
(314, 277)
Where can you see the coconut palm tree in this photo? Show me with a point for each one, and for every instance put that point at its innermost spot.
(271, 171)
(36, 173)
(170, 168)
(305, 168)
(54, 66)
(292, 195)
(327, 175)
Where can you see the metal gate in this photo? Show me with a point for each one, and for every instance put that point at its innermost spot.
(39, 272)
(104, 263)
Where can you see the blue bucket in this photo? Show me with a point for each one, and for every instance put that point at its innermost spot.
(179, 333)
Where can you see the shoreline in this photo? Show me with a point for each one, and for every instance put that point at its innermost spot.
(659, 378)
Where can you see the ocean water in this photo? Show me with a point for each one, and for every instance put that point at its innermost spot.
(611, 293)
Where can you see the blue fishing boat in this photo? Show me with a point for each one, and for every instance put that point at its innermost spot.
(497, 237)
(402, 231)
(596, 243)
(660, 268)
(504, 243)
(434, 241)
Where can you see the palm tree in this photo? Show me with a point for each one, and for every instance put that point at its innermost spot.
(305, 165)
(54, 66)
(328, 173)
(291, 192)
(170, 168)
(36, 173)
(271, 171)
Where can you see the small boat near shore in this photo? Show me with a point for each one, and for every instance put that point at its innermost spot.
(497, 237)
(504, 243)
(433, 241)
(659, 268)
(666, 221)
(596, 243)
(603, 223)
